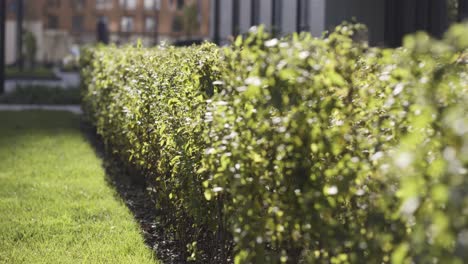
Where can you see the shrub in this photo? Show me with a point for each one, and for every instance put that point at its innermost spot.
(291, 142)
(148, 105)
(430, 162)
(299, 149)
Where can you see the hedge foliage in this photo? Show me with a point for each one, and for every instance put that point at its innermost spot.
(301, 149)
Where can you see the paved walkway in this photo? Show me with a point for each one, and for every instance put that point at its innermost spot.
(76, 109)
(65, 80)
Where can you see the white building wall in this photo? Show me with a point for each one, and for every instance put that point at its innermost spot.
(317, 17)
(323, 15)
(225, 20)
(57, 45)
(211, 22)
(288, 24)
(35, 27)
(10, 42)
(245, 11)
(265, 12)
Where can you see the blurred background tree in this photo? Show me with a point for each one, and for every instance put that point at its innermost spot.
(190, 20)
(30, 48)
(453, 10)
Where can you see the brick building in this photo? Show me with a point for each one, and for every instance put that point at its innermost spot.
(59, 24)
(152, 19)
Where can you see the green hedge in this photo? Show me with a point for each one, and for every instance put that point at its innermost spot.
(297, 149)
(148, 106)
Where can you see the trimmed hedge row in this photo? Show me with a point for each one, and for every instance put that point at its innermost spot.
(148, 106)
(297, 149)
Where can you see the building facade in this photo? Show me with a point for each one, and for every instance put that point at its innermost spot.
(387, 20)
(60, 24)
(152, 20)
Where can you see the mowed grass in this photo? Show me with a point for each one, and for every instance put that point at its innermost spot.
(55, 204)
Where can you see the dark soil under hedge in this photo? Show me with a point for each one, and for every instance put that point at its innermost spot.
(135, 195)
(134, 192)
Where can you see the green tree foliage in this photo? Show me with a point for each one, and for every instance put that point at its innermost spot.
(190, 19)
(148, 105)
(302, 150)
(452, 10)
(30, 48)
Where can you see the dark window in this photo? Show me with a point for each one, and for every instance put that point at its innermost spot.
(126, 24)
(462, 10)
(78, 4)
(150, 24)
(52, 22)
(404, 17)
(302, 15)
(276, 16)
(255, 12)
(180, 4)
(177, 24)
(77, 23)
(199, 8)
(235, 17)
(53, 3)
(104, 19)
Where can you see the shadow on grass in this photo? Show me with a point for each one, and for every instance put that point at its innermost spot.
(17, 127)
(134, 194)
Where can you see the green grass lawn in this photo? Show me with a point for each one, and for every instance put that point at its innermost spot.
(36, 72)
(55, 204)
(41, 95)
